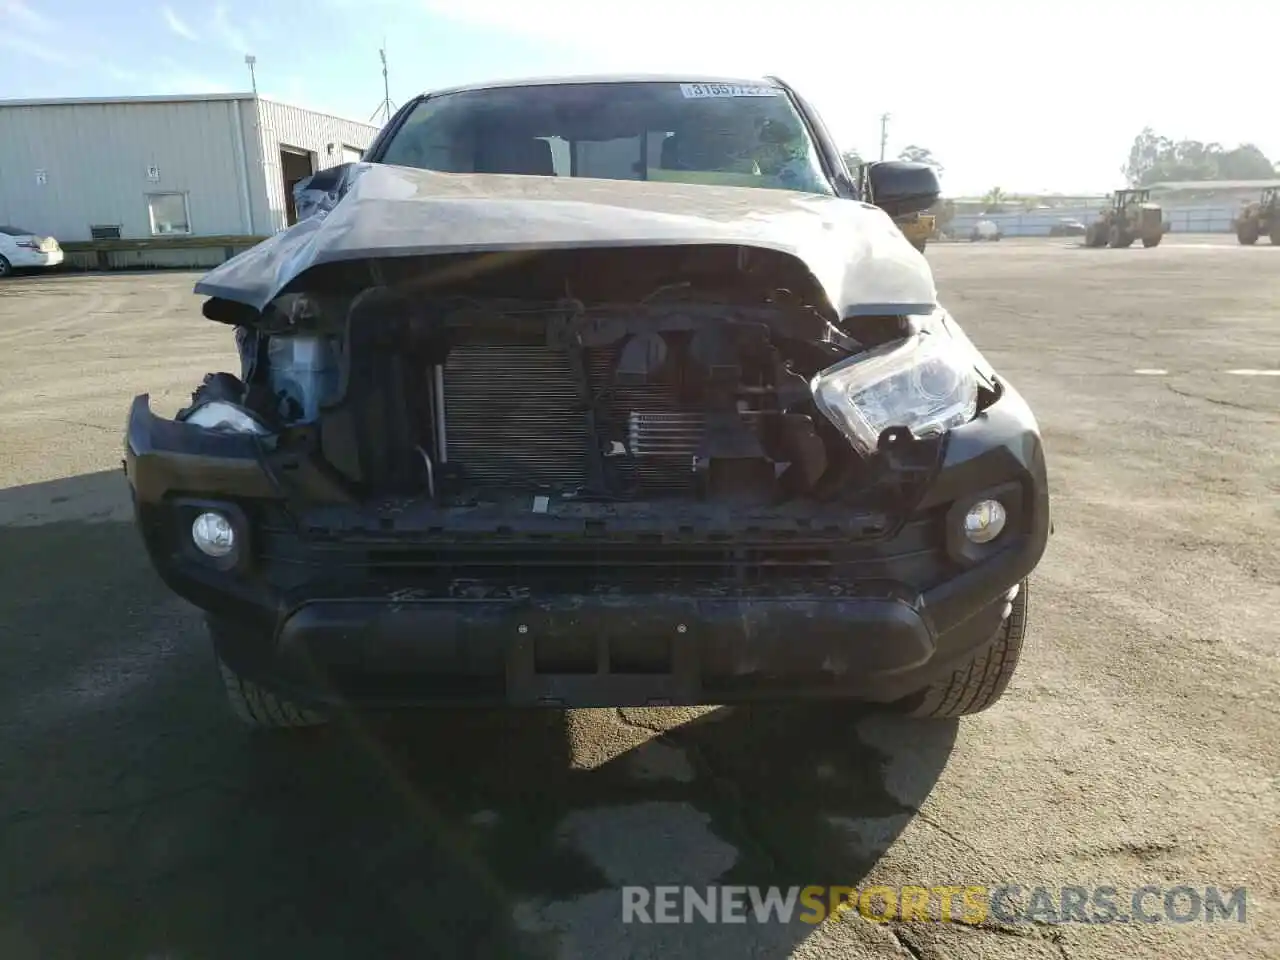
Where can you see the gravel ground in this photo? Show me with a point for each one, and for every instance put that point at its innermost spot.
(1137, 745)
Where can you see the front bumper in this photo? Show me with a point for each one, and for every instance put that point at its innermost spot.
(313, 623)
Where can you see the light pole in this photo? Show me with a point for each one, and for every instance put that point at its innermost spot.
(249, 61)
(884, 132)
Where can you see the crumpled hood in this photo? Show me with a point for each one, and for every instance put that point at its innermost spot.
(857, 254)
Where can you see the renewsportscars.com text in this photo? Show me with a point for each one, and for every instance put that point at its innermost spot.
(1006, 903)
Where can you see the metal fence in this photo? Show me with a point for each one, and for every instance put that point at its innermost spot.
(1037, 223)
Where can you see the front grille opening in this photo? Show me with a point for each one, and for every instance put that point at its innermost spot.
(593, 566)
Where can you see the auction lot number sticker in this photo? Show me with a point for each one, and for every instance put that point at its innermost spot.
(693, 91)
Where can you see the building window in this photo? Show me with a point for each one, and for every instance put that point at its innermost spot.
(169, 214)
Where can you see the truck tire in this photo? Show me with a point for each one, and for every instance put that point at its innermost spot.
(1115, 237)
(1247, 234)
(1152, 241)
(5, 268)
(1275, 235)
(257, 707)
(982, 681)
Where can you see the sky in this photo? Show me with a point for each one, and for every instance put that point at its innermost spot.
(1038, 95)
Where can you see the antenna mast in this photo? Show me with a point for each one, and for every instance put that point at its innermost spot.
(386, 107)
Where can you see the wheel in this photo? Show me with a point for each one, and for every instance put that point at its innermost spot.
(982, 681)
(1275, 235)
(6, 267)
(1152, 241)
(1091, 235)
(1247, 234)
(1115, 237)
(918, 244)
(254, 705)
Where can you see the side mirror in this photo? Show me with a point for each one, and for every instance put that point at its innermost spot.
(902, 187)
(321, 191)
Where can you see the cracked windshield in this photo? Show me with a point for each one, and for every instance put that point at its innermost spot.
(596, 481)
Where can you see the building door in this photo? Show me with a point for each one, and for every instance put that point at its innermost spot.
(295, 165)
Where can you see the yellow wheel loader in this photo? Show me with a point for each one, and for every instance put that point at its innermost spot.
(1260, 218)
(919, 228)
(1132, 217)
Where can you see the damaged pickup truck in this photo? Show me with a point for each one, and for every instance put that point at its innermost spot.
(597, 392)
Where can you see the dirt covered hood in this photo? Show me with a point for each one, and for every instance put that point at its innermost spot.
(855, 252)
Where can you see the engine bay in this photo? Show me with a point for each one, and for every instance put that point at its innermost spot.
(633, 377)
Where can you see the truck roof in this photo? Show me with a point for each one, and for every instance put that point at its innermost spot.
(608, 78)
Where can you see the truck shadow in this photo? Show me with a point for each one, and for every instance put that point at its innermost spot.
(139, 821)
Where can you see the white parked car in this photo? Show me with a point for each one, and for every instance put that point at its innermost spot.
(21, 248)
(985, 230)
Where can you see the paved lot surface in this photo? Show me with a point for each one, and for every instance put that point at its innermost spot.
(1139, 743)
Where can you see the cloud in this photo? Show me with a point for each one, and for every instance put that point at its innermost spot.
(37, 50)
(17, 12)
(230, 34)
(34, 36)
(177, 25)
(224, 31)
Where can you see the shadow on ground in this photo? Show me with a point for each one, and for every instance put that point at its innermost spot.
(139, 821)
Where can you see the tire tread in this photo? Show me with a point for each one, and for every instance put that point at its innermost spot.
(983, 680)
(256, 706)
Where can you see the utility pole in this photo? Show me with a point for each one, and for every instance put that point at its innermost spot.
(884, 133)
(386, 107)
(249, 61)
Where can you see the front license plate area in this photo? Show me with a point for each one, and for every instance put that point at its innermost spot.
(594, 656)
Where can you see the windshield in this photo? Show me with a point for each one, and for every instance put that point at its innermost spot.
(16, 231)
(723, 134)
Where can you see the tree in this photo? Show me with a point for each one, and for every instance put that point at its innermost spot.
(944, 212)
(852, 159)
(1245, 162)
(920, 155)
(994, 199)
(1144, 156)
(1157, 159)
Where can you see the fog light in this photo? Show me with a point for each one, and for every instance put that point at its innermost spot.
(213, 535)
(984, 521)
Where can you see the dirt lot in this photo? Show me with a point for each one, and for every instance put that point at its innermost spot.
(1138, 745)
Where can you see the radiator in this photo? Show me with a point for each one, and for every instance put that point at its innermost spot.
(513, 416)
(515, 419)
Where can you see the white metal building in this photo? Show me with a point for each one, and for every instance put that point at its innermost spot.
(134, 168)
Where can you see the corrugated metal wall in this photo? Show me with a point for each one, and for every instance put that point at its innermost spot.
(66, 166)
(321, 135)
(1182, 218)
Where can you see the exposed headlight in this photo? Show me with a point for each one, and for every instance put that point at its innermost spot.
(926, 383)
(220, 415)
